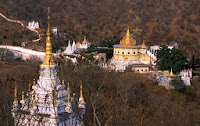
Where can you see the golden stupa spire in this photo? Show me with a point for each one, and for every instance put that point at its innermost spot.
(81, 90)
(34, 102)
(171, 74)
(15, 98)
(143, 44)
(127, 40)
(48, 58)
(68, 91)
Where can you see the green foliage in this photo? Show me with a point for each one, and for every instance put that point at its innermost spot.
(55, 47)
(25, 32)
(89, 57)
(16, 34)
(4, 37)
(167, 59)
(178, 84)
(110, 43)
(198, 61)
(190, 92)
(91, 49)
(14, 43)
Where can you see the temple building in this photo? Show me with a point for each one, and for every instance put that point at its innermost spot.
(164, 78)
(128, 53)
(84, 45)
(33, 25)
(48, 102)
(76, 47)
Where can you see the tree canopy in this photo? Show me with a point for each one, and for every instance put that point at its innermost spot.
(108, 43)
(91, 49)
(170, 58)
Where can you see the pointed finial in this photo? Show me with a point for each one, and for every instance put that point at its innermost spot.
(128, 31)
(171, 73)
(34, 101)
(54, 100)
(52, 90)
(127, 40)
(15, 98)
(63, 82)
(33, 82)
(29, 86)
(81, 90)
(23, 96)
(143, 44)
(128, 26)
(184, 69)
(68, 91)
(84, 40)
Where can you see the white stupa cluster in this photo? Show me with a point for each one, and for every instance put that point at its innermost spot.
(33, 25)
(71, 49)
(48, 102)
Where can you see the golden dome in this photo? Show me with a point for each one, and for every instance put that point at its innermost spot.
(128, 40)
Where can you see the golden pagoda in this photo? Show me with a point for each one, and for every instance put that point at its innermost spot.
(128, 40)
(128, 52)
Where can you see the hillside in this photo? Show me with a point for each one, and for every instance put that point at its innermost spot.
(154, 21)
(119, 98)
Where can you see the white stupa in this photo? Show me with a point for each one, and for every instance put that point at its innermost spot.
(33, 25)
(74, 47)
(48, 103)
(69, 50)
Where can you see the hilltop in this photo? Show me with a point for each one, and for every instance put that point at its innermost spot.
(154, 21)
